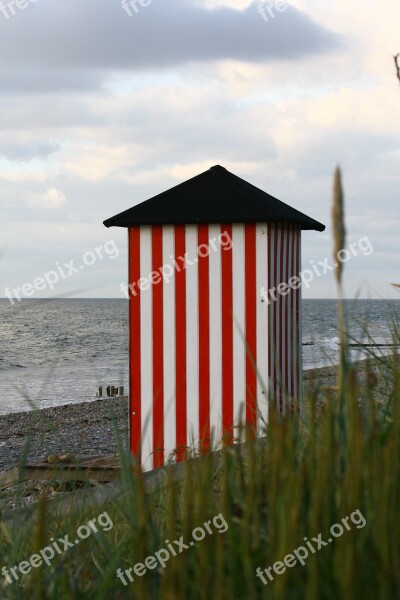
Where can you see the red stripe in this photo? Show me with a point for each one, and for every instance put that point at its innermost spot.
(204, 341)
(250, 324)
(292, 320)
(134, 343)
(270, 313)
(158, 369)
(288, 359)
(276, 308)
(180, 344)
(281, 315)
(227, 338)
(286, 315)
(298, 317)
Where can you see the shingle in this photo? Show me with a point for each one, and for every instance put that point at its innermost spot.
(215, 196)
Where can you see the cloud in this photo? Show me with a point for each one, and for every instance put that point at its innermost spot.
(27, 150)
(100, 111)
(70, 44)
(52, 199)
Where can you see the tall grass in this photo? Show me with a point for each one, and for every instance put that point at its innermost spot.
(297, 482)
(305, 475)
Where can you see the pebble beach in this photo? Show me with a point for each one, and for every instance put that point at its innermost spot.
(98, 428)
(93, 428)
(88, 428)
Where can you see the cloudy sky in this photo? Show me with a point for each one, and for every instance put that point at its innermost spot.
(104, 106)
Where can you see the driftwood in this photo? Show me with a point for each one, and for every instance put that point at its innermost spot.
(84, 468)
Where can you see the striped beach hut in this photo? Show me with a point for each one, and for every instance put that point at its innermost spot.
(215, 314)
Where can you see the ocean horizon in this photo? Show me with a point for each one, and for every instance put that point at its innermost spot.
(59, 351)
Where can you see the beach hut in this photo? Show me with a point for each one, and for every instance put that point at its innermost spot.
(214, 312)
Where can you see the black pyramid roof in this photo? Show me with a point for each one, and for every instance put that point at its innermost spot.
(215, 196)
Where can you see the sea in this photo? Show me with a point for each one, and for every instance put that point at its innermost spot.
(60, 351)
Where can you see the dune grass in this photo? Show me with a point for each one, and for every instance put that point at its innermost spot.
(275, 496)
(306, 475)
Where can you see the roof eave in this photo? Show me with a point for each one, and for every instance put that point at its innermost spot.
(116, 222)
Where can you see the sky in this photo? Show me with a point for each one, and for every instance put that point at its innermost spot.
(104, 106)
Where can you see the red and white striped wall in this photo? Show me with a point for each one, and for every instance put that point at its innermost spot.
(209, 350)
(285, 351)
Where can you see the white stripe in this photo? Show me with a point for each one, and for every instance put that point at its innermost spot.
(272, 309)
(169, 344)
(192, 332)
(239, 348)
(262, 325)
(215, 339)
(146, 349)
